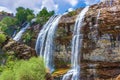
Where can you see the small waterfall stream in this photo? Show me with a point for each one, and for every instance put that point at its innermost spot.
(45, 44)
(20, 33)
(74, 73)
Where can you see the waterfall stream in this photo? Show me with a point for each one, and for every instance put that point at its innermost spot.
(45, 41)
(20, 33)
(74, 73)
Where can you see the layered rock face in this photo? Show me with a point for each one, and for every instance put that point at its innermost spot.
(34, 31)
(21, 51)
(101, 42)
(101, 36)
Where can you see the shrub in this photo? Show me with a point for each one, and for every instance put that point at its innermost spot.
(7, 75)
(72, 13)
(2, 38)
(3, 27)
(32, 69)
(27, 37)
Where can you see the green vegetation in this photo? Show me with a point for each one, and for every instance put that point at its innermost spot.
(72, 13)
(23, 15)
(3, 27)
(27, 36)
(32, 69)
(10, 67)
(7, 25)
(9, 21)
(43, 16)
(2, 38)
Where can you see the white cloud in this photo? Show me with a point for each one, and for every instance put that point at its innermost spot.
(36, 5)
(70, 9)
(5, 9)
(72, 2)
(50, 5)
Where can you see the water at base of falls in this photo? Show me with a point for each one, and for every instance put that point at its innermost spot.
(45, 41)
(74, 73)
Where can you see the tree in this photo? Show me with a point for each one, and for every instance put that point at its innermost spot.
(23, 15)
(3, 27)
(20, 15)
(2, 38)
(30, 17)
(43, 16)
(9, 21)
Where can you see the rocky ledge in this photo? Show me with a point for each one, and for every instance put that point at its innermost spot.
(21, 51)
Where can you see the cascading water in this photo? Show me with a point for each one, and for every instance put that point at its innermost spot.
(45, 45)
(98, 15)
(14, 34)
(74, 73)
(20, 33)
(94, 35)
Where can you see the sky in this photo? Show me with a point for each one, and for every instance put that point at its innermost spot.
(59, 6)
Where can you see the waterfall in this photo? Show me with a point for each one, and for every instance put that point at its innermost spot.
(74, 73)
(45, 44)
(98, 15)
(14, 33)
(20, 33)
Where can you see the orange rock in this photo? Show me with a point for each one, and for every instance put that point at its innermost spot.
(118, 78)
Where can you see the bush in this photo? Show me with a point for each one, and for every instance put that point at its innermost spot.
(27, 36)
(3, 27)
(72, 13)
(2, 38)
(32, 69)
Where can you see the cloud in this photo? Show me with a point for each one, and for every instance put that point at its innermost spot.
(59, 6)
(36, 5)
(50, 5)
(5, 9)
(70, 9)
(72, 2)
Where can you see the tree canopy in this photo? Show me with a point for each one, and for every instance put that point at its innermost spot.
(23, 15)
(44, 15)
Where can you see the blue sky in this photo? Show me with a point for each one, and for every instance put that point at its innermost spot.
(59, 6)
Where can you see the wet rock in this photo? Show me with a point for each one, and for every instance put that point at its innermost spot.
(48, 76)
(118, 77)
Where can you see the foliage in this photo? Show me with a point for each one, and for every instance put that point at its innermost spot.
(2, 38)
(7, 75)
(7, 25)
(43, 16)
(30, 17)
(23, 15)
(28, 36)
(9, 21)
(3, 27)
(32, 69)
(72, 13)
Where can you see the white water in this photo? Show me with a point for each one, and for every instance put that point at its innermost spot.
(74, 73)
(20, 33)
(98, 15)
(45, 45)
